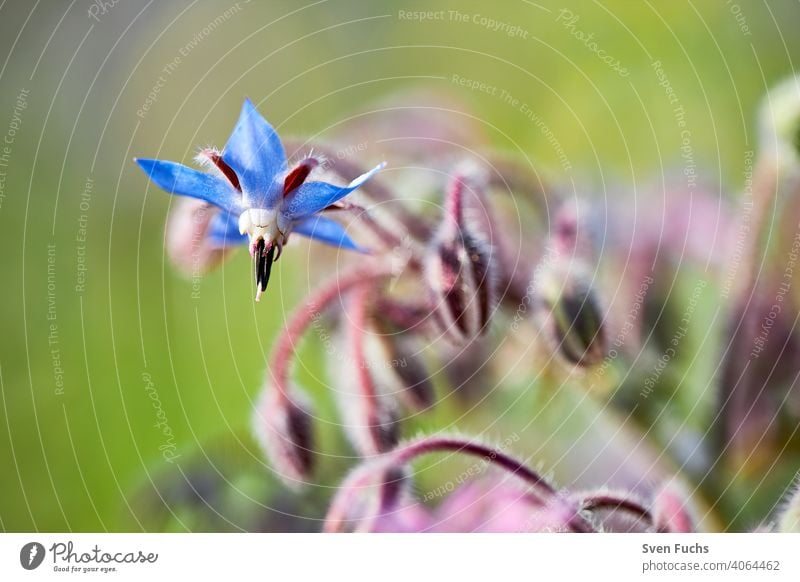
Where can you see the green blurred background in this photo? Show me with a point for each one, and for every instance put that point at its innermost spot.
(79, 449)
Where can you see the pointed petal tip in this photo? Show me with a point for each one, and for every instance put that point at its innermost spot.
(366, 176)
(377, 168)
(146, 164)
(249, 108)
(255, 153)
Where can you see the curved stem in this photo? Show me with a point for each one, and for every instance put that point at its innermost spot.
(369, 397)
(309, 312)
(345, 498)
(613, 502)
(406, 453)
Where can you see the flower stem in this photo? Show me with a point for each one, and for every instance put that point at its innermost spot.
(424, 446)
(392, 463)
(357, 319)
(613, 502)
(286, 345)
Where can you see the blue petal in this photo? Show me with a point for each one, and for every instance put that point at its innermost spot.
(185, 181)
(312, 197)
(224, 231)
(327, 231)
(256, 154)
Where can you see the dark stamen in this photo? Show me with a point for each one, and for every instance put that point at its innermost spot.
(257, 260)
(263, 259)
(217, 160)
(268, 260)
(298, 175)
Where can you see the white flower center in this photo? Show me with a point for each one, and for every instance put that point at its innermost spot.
(259, 223)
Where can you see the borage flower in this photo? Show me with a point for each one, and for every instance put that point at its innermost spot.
(262, 201)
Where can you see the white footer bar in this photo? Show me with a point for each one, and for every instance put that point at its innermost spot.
(389, 558)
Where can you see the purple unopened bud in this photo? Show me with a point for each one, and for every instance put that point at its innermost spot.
(760, 361)
(375, 497)
(414, 377)
(467, 370)
(370, 422)
(283, 425)
(187, 244)
(283, 419)
(671, 512)
(405, 366)
(571, 313)
(459, 272)
(369, 415)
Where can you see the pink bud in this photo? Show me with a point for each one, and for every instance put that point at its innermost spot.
(459, 271)
(467, 370)
(756, 368)
(571, 314)
(671, 512)
(375, 497)
(369, 415)
(405, 369)
(414, 376)
(283, 426)
(186, 242)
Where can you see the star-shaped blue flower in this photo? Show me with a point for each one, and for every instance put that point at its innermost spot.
(262, 202)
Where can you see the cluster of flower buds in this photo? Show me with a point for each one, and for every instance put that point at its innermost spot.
(446, 288)
(377, 497)
(367, 407)
(456, 276)
(377, 357)
(569, 308)
(283, 421)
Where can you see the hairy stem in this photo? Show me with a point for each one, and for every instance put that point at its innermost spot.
(313, 307)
